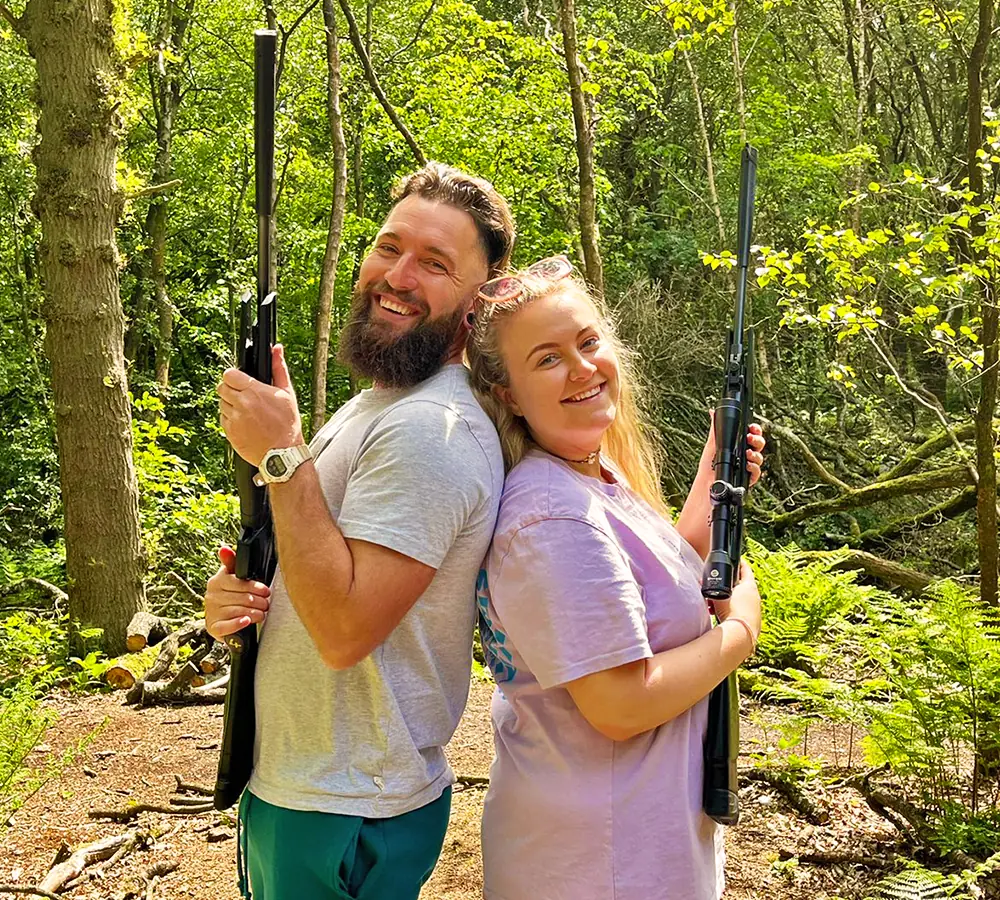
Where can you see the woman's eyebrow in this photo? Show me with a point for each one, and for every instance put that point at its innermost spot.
(545, 346)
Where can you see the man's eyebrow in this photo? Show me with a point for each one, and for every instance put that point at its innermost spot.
(545, 346)
(444, 254)
(434, 251)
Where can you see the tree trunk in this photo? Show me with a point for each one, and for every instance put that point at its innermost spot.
(713, 193)
(986, 499)
(79, 204)
(589, 236)
(328, 275)
(166, 96)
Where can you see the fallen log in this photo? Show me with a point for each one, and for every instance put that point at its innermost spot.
(191, 632)
(57, 595)
(126, 670)
(144, 630)
(137, 839)
(839, 859)
(786, 785)
(71, 868)
(886, 570)
(159, 693)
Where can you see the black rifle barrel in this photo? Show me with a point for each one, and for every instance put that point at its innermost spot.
(255, 558)
(732, 417)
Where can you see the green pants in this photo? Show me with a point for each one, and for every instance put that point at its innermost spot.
(295, 855)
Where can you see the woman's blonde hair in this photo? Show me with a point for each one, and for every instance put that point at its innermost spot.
(627, 444)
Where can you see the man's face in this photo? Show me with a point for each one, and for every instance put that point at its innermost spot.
(413, 292)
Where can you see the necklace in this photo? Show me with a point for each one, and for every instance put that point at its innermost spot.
(589, 458)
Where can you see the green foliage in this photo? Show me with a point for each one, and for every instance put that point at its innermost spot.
(802, 601)
(930, 699)
(917, 882)
(22, 724)
(182, 518)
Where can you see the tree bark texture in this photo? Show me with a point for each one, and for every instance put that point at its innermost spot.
(589, 236)
(166, 96)
(328, 275)
(986, 500)
(79, 204)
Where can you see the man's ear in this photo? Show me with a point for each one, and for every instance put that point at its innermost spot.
(504, 395)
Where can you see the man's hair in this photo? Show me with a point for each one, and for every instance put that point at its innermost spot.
(476, 196)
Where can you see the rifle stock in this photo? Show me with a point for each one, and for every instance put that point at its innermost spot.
(255, 557)
(732, 417)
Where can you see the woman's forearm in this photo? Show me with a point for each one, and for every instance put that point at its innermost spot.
(640, 696)
(693, 522)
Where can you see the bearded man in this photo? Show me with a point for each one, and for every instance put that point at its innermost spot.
(382, 523)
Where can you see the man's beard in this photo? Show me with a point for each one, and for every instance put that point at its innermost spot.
(371, 349)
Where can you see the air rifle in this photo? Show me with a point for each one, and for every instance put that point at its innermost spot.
(255, 556)
(732, 416)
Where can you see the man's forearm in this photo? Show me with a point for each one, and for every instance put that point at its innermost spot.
(316, 562)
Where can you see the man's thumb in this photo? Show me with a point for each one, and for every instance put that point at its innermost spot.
(227, 556)
(279, 371)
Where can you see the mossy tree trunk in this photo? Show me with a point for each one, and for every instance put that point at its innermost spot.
(79, 204)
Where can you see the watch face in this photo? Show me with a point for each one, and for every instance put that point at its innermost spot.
(276, 467)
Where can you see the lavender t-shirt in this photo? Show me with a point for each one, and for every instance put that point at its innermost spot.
(584, 576)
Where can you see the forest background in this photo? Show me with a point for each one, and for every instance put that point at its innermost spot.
(615, 130)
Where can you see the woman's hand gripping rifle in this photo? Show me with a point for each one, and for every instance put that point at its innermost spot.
(255, 556)
(732, 417)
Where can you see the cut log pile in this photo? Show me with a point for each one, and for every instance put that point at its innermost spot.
(152, 674)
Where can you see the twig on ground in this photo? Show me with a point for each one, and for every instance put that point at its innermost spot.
(786, 785)
(835, 859)
(31, 889)
(185, 787)
(475, 781)
(126, 815)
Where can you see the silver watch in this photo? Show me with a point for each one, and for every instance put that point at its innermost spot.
(279, 464)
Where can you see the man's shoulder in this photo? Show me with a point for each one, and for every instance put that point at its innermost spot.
(441, 403)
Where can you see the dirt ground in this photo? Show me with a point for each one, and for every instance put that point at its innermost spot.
(135, 755)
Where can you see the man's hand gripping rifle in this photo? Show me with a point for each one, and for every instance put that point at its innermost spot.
(255, 556)
(732, 417)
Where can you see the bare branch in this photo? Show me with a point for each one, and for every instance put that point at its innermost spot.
(152, 189)
(933, 407)
(814, 464)
(359, 49)
(948, 477)
(17, 23)
(416, 35)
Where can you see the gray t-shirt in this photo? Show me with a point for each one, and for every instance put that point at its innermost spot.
(419, 471)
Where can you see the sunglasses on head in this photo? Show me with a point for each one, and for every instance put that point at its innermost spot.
(510, 287)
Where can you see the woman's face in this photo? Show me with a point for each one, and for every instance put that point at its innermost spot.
(563, 373)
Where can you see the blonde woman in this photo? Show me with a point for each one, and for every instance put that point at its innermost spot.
(592, 617)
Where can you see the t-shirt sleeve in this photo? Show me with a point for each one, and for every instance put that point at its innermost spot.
(567, 601)
(420, 476)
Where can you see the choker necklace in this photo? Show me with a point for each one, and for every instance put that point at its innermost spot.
(589, 458)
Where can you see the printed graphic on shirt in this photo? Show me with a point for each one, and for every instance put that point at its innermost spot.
(498, 657)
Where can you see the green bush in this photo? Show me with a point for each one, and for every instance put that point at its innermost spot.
(22, 724)
(801, 602)
(183, 519)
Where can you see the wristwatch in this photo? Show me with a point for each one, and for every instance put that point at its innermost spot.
(279, 464)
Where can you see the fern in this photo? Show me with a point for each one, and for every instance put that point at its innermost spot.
(801, 599)
(912, 884)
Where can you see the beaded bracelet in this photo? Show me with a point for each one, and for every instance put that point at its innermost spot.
(749, 630)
